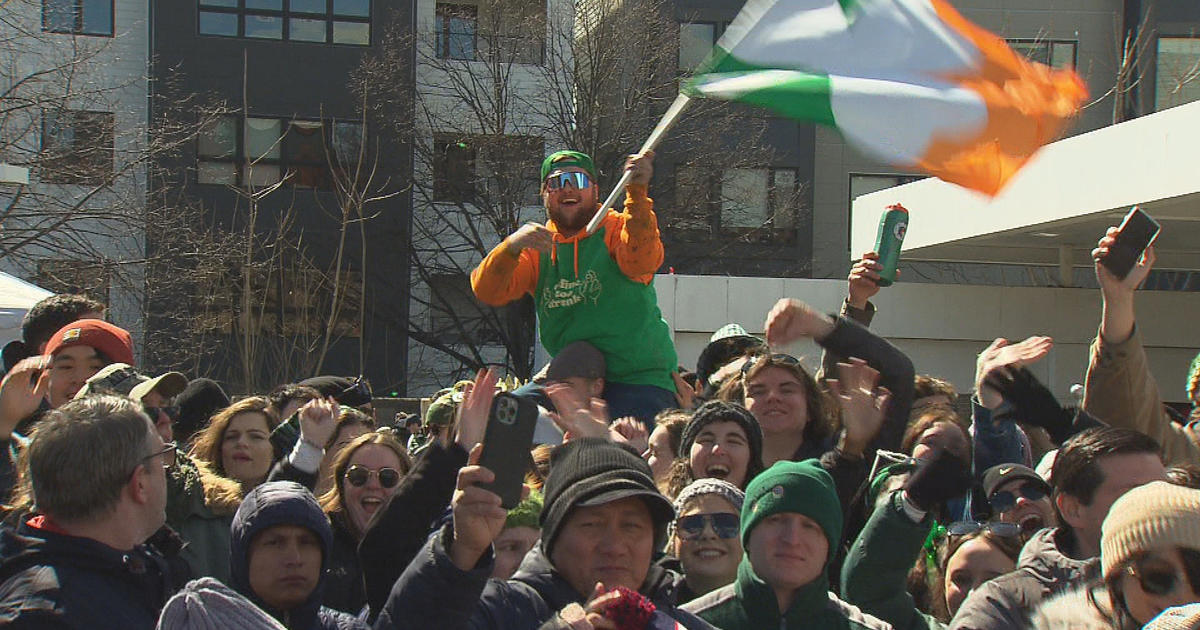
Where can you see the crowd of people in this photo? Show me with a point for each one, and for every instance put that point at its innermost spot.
(748, 492)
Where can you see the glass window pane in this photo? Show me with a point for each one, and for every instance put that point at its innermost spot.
(1062, 54)
(260, 175)
(219, 138)
(695, 42)
(270, 5)
(307, 6)
(783, 199)
(357, 33)
(744, 198)
(262, 138)
(216, 173)
(357, 8)
(346, 141)
(303, 144)
(218, 23)
(264, 27)
(58, 15)
(97, 17)
(1177, 76)
(218, 3)
(306, 30)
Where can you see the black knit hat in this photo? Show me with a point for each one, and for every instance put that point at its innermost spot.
(594, 471)
(721, 411)
(198, 403)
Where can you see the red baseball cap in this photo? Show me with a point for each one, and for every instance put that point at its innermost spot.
(112, 341)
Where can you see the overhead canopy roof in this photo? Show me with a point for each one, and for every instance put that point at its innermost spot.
(1065, 197)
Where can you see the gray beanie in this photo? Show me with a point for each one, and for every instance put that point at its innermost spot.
(207, 604)
(701, 487)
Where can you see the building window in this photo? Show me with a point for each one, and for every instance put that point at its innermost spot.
(509, 32)
(320, 21)
(1056, 53)
(77, 147)
(1177, 71)
(261, 151)
(762, 200)
(80, 17)
(457, 30)
(288, 301)
(696, 41)
(505, 169)
(456, 316)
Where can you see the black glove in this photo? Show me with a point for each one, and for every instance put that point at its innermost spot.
(1030, 402)
(937, 480)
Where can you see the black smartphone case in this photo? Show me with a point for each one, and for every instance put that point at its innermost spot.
(1137, 231)
(506, 444)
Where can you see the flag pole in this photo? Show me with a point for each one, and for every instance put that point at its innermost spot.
(660, 130)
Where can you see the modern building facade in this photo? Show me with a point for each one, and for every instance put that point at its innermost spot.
(302, 189)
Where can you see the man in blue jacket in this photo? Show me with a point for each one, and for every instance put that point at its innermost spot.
(96, 472)
(279, 548)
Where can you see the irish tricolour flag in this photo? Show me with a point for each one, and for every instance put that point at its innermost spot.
(909, 81)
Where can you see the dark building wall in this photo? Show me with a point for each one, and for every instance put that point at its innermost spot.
(783, 144)
(290, 79)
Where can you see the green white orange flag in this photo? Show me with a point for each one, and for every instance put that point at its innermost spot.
(911, 82)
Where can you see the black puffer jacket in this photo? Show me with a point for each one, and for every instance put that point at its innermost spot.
(53, 580)
(284, 503)
(434, 592)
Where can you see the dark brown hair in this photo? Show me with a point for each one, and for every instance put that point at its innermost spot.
(207, 447)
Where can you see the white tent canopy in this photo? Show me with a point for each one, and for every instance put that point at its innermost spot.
(16, 296)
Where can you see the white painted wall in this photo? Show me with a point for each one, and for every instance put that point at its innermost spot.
(114, 79)
(943, 327)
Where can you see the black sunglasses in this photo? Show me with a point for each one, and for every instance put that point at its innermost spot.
(1156, 580)
(172, 411)
(724, 525)
(966, 528)
(1004, 500)
(785, 359)
(359, 475)
(574, 178)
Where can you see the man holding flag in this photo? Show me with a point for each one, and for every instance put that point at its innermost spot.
(593, 286)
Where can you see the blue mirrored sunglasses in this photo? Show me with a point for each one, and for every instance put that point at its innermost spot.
(724, 525)
(575, 178)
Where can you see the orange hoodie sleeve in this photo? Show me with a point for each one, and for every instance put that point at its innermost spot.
(504, 275)
(632, 236)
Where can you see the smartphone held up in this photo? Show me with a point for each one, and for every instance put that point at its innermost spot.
(506, 444)
(1137, 232)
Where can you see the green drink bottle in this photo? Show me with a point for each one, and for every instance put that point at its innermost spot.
(893, 225)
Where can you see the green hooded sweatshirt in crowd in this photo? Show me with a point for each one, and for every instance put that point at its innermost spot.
(750, 603)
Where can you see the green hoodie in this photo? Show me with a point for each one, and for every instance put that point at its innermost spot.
(750, 604)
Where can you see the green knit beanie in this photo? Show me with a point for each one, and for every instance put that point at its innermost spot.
(563, 159)
(801, 487)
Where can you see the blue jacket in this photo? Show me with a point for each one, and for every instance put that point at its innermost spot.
(52, 580)
(284, 503)
(433, 592)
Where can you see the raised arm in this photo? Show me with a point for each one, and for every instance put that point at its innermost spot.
(1119, 389)
(632, 236)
